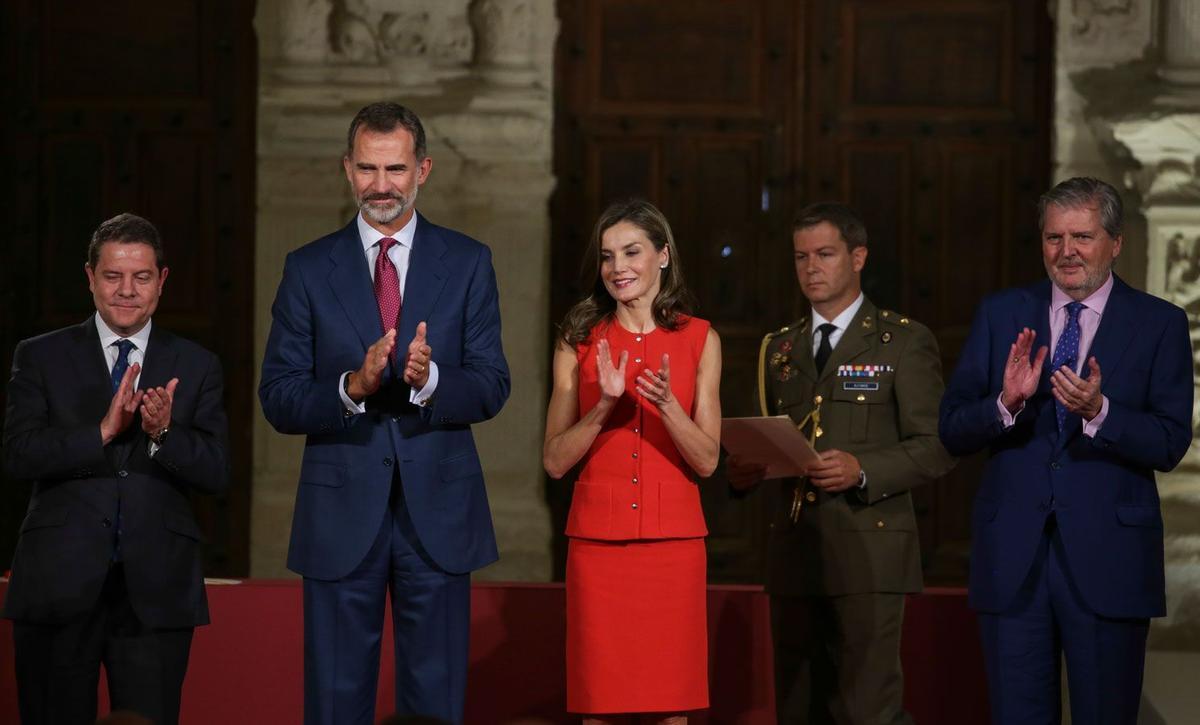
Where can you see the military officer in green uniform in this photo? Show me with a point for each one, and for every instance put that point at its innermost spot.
(864, 385)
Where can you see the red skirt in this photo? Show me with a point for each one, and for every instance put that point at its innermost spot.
(637, 637)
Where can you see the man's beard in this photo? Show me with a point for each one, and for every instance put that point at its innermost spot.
(390, 213)
(1092, 279)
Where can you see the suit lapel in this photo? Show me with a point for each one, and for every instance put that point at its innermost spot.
(159, 361)
(803, 358)
(350, 281)
(854, 340)
(1117, 326)
(91, 370)
(1036, 315)
(423, 284)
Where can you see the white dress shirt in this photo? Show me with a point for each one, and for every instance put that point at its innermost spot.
(841, 322)
(108, 338)
(398, 254)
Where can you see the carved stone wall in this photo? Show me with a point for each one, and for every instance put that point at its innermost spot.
(1128, 110)
(479, 75)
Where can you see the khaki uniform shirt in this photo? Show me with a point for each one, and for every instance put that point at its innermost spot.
(878, 399)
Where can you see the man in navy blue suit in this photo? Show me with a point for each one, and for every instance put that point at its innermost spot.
(384, 349)
(1080, 387)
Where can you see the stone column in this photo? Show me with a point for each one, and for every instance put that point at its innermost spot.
(1166, 145)
(1181, 51)
(489, 134)
(505, 51)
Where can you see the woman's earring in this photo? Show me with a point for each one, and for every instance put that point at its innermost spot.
(663, 265)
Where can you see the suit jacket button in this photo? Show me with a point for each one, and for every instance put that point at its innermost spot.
(1055, 465)
(105, 523)
(879, 524)
(123, 473)
(387, 461)
(635, 505)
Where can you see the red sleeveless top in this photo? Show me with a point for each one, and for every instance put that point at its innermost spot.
(634, 483)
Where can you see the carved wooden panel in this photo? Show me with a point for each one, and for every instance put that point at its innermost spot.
(651, 58)
(134, 49)
(154, 115)
(952, 57)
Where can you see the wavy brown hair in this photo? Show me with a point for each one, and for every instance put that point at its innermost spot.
(673, 299)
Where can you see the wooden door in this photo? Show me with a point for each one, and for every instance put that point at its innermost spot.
(930, 117)
(147, 107)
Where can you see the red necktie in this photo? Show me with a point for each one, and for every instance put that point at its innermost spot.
(387, 287)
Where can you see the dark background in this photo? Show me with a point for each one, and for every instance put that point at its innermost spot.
(932, 118)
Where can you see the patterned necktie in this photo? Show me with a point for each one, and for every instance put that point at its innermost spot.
(1066, 352)
(387, 288)
(824, 349)
(124, 347)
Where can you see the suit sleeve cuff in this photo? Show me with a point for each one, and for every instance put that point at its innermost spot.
(424, 396)
(350, 406)
(1092, 427)
(1007, 419)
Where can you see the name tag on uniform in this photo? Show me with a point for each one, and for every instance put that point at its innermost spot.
(859, 385)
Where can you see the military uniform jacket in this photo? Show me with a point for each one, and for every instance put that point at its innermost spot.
(878, 399)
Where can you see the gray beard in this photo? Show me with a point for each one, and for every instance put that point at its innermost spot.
(390, 214)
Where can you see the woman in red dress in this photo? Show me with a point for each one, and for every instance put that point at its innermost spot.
(636, 401)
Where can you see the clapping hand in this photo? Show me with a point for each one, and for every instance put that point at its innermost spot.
(366, 380)
(612, 379)
(656, 386)
(416, 368)
(121, 409)
(1078, 395)
(1021, 375)
(156, 407)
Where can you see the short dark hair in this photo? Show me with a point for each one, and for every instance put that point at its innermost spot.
(384, 117)
(845, 219)
(126, 228)
(1082, 192)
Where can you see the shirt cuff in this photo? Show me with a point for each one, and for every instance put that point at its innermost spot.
(1007, 419)
(424, 396)
(862, 480)
(351, 407)
(152, 448)
(1092, 427)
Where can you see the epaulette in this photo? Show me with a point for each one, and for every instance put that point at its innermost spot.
(894, 318)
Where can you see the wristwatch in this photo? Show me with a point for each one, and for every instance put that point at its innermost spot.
(160, 437)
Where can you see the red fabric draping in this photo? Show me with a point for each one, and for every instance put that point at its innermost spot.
(247, 667)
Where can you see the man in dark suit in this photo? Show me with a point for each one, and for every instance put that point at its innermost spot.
(864, 384)
(117, 422)
(1067, 557)
(385, 348)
